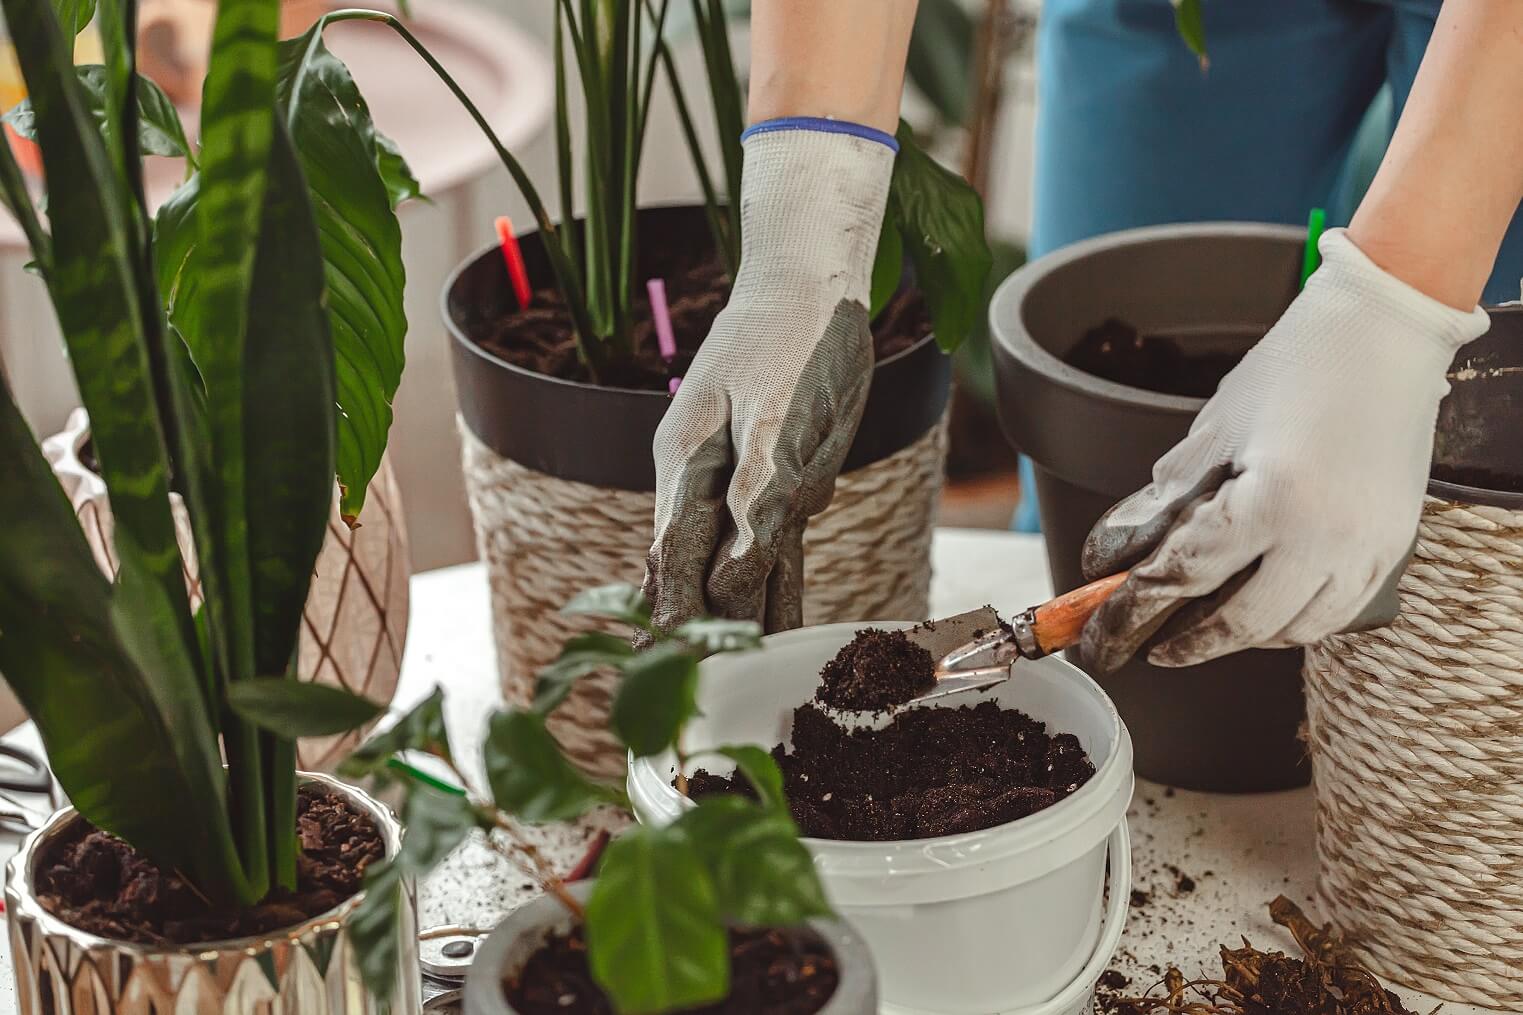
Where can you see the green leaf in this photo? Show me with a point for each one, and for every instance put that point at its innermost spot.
(1191, 24)
(74, 15)
(422, 729)
(655, 938)
(762, 874)
(530, 777)
(713, 634)
(375, 929)
(582, 655)
(761, 772)
(941, 221)
(401, 184)
(296, 708)
(888, 266)
(940, 59)
(623, 603)
(436, 823)
(656, 698)
(159, 129)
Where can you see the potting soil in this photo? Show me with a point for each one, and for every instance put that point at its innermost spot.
(1117, 352)
(772, 972)
(98, 883)
(875, 671)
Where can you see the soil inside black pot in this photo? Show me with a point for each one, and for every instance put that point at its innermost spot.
(772, 972)
(540, 338)
(96, 882)
(1117, 351)
(875, 671)
(929, 772)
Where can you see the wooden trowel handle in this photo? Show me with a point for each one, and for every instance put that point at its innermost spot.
(1057, 623)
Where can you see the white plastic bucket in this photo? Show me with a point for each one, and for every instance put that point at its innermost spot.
(993, 921)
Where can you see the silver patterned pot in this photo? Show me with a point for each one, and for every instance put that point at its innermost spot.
(520, 935)
(308, 969)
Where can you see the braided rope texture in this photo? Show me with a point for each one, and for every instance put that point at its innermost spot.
(545, 539)
(1416, 733)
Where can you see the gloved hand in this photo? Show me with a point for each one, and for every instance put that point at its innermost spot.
(752, 442)
(1298, 490)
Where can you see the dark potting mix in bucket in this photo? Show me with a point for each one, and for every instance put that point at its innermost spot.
(928, 772)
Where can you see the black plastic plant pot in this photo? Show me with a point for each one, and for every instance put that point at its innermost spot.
(602, 435)
(1228, 725)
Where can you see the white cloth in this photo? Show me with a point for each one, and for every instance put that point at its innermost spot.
(1298, 490)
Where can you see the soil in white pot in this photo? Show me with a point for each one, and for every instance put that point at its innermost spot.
(98, 883)
(928, 772)
(772, 972)
(540, 338)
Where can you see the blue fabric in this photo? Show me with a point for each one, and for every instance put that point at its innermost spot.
(827, 126)
(1131, 133)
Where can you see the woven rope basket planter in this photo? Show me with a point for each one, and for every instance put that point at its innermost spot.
(1416, 734)
(867, 557)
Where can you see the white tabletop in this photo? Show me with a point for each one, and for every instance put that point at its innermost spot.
(1240, 851)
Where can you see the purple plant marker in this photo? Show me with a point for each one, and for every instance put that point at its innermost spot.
(661, 316)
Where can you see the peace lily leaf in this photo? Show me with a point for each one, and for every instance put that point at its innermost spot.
(941, 221)
(762, 874)
(296, 708)
(422, 729)
(1191, 24)
(616, 602)
(654, 936)
(401, 184)
(530, 777)
(761, 772)
(159, 129)
(719, 635)
(888, 265)
(582, 655)
(655, 699)
(940, 55)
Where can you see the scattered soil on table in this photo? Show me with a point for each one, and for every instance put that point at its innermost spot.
(1327, 980)
(98, 883)
(1484, 479)
(697, 286)
(932, 771)
(875, 671)
(1117, 352)
(772, 972)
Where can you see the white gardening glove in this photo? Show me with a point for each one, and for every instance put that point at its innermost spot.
(1297, 493)
(752, 442)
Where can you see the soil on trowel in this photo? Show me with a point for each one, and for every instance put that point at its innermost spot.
(96, 882)
(697, 285)
(1118, 352)
(772, 972)
(876, 671)
(1326, 980)
(930, 772)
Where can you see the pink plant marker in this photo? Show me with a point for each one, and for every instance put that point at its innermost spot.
(672, 385)
(661, 316)
(514, 258)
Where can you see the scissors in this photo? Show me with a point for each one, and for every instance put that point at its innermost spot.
(23, 773)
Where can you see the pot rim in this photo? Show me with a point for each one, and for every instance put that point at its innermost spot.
(1109, 789)
(21, 897)
(458, 335)
(1008, 327)
(544, 914)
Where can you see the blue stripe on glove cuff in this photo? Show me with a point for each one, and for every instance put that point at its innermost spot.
(820, 123)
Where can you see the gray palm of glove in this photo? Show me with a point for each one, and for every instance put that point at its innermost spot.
(751, 445)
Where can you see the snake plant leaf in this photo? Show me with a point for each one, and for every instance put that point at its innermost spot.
(941, 221)
(74, 15)
(656, 697)
(530, 777)
(654, 934)
(160, 131)
(763, 875)
(108, 740)
(297, 708)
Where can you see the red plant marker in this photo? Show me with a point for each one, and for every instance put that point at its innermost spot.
(514, 258)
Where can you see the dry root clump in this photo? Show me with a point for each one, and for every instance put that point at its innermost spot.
(1328, 981)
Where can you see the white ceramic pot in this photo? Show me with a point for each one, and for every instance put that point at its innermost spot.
(993, 921)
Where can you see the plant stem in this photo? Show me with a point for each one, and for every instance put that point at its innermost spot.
(542, 871)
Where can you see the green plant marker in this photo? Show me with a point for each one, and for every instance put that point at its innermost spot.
(1310, 258)
(398, 765)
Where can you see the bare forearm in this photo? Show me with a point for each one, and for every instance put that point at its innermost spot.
(837, 58)
(1453, 177)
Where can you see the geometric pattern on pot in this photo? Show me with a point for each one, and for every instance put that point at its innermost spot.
(355, 622)
(543, 539)
(308, 969)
